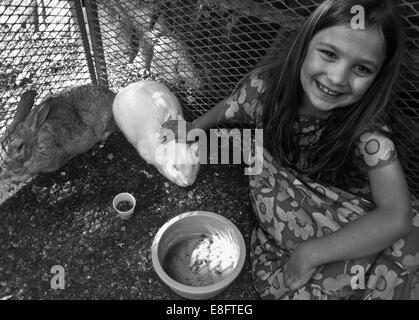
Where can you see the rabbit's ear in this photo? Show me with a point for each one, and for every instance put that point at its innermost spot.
(23, 108)
(41, 115)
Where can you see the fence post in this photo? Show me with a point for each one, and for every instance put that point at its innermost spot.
(85, 39)
(96, 40)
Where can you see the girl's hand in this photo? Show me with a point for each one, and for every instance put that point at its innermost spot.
(299, 268)
(173, 126)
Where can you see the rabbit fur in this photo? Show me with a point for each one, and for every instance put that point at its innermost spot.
(64, 125)
(139, 110)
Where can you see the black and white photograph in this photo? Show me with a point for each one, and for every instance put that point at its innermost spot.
(209, 154)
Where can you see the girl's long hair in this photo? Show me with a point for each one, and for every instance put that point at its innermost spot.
(284, 92)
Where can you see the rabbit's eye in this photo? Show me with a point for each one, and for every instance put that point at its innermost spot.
(19, 147)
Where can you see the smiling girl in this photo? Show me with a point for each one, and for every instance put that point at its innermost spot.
(335, 217)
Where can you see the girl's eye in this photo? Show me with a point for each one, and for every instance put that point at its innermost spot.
(363, 70)
(328, 54)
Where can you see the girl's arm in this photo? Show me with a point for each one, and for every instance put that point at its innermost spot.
(368, 235)
(239, 108)
(209, 120)
(242, 107)
(212, 118)
(374, 231)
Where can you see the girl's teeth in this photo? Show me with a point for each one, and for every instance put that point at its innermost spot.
(326, 90)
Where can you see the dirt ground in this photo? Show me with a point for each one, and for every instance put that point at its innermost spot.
(65, 218)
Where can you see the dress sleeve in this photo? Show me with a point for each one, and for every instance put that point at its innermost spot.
(244, 106)
(375, 150)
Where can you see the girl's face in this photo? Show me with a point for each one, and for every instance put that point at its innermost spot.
(340, 65)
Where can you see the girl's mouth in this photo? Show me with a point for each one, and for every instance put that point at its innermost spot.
(327, 90)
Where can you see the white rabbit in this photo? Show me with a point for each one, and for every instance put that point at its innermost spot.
(139, 110)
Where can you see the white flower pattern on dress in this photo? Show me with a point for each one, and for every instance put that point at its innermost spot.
(277, 229)
(232, 109)
(300, 223)
(338, 283)
(375, 147)
(411, 262)
(325, 224)
(242, 96)
(256, 81)
(395, 249)
(384, 282)
(265, 208)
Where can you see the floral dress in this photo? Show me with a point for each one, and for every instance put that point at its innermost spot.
(291, 208)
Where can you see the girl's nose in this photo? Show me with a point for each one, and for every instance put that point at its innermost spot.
(338, 74)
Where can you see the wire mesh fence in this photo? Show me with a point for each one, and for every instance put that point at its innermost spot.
(40, 48)
(199, 48)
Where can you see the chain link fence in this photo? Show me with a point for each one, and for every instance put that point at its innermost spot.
(198, 48)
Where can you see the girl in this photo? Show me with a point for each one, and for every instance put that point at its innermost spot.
(335, 216)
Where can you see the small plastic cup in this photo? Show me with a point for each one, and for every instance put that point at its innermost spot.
(125, 196)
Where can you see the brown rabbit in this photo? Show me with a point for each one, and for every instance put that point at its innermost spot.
(63, 126)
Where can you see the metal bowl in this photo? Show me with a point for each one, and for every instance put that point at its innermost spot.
(189, 225)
